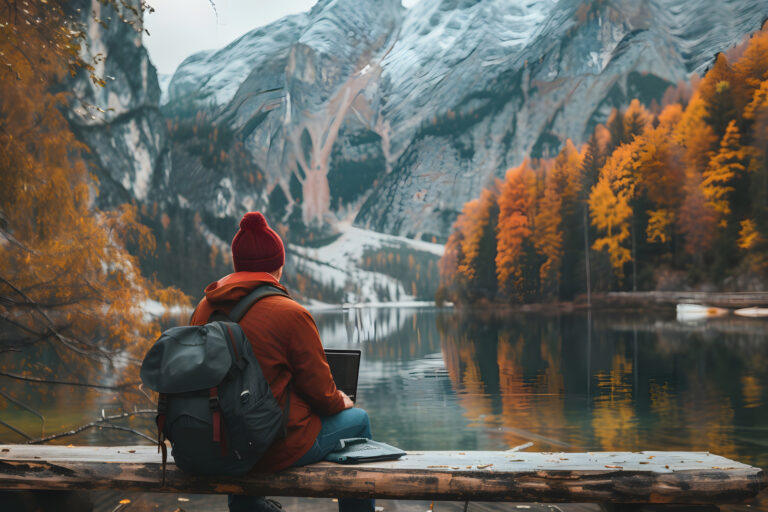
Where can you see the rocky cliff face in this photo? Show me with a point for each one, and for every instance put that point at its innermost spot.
(399, 116)
(121, 122)
(303, 96)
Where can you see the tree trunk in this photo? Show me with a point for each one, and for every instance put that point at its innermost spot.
(586, 257)
(634, 259)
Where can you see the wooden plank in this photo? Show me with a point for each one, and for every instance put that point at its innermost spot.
(600, 477)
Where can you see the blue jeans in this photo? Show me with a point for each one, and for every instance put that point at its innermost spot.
(348, 423)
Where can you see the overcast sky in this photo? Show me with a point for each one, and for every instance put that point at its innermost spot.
(179, 28)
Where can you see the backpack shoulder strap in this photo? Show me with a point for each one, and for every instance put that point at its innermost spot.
(242, 307)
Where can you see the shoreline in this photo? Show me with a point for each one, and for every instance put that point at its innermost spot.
(629, 301)
(609, 301)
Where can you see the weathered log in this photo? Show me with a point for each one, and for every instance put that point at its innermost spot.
(604, 477)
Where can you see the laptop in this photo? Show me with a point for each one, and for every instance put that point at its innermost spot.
(345, 368)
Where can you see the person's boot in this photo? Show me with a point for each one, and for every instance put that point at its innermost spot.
(241, 503)
(270, 505)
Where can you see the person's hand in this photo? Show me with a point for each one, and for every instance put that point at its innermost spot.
(348, 404)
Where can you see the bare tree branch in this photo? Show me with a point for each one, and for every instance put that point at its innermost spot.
(26, 341)
(64, 340)
(21, 326)
(8, 301)
(20, 432)
(88, 426)
(26, 407)
(15, 241)
(67, 383)
(104, 422)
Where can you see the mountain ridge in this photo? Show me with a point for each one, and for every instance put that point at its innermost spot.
(463, 91)
(368, 111)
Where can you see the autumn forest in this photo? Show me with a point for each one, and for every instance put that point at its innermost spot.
(670, 196)
(67, 276)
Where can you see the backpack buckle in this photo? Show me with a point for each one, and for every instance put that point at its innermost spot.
(213, 402)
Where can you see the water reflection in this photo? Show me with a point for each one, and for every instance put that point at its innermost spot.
(614, 422)
(566, 382)
(34, 409)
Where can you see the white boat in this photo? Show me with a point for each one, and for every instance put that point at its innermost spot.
(691, 312)
(753, 312)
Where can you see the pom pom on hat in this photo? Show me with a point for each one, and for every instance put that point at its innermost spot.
(256, 247)
(253, 220)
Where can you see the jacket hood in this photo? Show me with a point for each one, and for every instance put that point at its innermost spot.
(237, 285)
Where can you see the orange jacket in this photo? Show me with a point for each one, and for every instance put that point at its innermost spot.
(286, 343)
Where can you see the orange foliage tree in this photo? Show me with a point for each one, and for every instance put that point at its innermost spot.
(609, 206)
(697, 220)
(756, 116)
(635, 120)
(566, 177)
(515, 200)
(548, 240)
(724, 168)
(658, 165)
(65, 276)
(717, 92)
(464, 265)
(749, 71)
(661, 174)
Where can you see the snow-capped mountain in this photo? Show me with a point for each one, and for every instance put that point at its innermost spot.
(363, 110)
(213, 76)
(404, 115)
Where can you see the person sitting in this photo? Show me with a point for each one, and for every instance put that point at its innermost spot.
(287, 345)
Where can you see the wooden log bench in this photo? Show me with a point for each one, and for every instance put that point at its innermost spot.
(600, 477)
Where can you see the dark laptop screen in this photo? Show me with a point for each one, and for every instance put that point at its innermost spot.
(345, 366)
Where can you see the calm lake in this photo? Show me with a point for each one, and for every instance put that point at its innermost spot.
(440, 379)
(436, 380)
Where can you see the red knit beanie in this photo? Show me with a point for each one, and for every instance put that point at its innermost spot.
(256, 247)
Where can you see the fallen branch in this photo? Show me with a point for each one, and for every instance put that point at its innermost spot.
(520, 447)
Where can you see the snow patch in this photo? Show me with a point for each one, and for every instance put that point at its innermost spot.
(337, 265)
(353, 242)
(224, 203)
(154, 309)
(142, 163)
(164, 80)
(214, 76)
(213, 240)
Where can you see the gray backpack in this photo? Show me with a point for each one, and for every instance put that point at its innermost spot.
(215, 406)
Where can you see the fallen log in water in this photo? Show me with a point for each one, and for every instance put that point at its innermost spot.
(601, 477)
